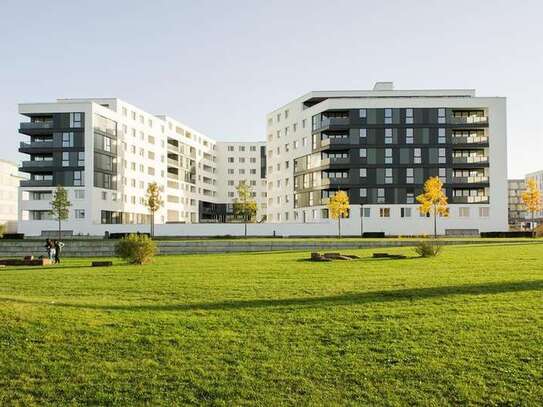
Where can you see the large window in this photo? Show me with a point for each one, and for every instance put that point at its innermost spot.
(65, 159)
(68, 139)
(76, 120)
(79, 178)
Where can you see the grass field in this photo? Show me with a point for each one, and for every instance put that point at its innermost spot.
(271, 329)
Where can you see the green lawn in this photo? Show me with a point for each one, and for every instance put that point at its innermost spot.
(271, 329)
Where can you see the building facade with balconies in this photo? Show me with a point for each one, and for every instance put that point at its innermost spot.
(380, 146)
(105, 152)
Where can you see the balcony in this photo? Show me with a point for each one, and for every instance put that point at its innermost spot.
(332, 122)
(470, 140)
(335, 181)
(36, 165)
(36, 183)
(36, 146)
(31, 128)
(476, 159)
(482, 179)
(335, 141)
(173, 163)
(469, 199)
(468, 120)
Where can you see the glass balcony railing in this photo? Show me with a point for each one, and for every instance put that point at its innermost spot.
(470, 199)
(470, 180)
(37, 125)
(474, 159)
(470, 140)
(468, 120)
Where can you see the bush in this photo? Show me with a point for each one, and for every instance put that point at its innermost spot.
(136, 249)
(539, 231)
(428, 248)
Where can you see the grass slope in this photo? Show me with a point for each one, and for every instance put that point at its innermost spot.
(269, 329)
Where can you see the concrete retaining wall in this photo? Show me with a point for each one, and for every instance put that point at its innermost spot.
(105, 248)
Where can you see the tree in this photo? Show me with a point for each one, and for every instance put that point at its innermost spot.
(531, 198)
(338, 207)
(433, 200)
(60, 207)
(153, 201)
(245, 204)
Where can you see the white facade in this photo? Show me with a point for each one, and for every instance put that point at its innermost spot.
(289, 136)
(9, 183)
(143, 147)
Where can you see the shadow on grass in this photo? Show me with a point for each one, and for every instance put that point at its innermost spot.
(412, 294)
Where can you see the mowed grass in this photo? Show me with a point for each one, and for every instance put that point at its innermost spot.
(465, 328)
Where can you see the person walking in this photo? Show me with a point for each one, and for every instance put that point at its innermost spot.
(58, 249)
(49, 247)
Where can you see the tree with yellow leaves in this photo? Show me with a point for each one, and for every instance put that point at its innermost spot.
(153, 201)
(338, 207)
(245, 205)
(433, 200)
(531, 198)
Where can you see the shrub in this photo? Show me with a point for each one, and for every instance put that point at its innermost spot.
(539, 231)
(2, 230)
(428, 248)
(136, 249)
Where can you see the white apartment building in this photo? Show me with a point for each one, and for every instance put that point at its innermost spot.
(380, 146)
(9, 183)
(106, 151)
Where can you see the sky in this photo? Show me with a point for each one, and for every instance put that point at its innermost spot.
(220, 66)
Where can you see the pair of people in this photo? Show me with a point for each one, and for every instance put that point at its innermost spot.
(53, 247)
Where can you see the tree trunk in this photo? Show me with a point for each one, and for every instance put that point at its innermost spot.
(339, 227)
(245, 226)
(152, 224)
(59, 229)
(533, 224)
(435, 224)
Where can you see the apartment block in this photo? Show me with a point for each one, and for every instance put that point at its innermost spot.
(380, 146)
(9, 183)
(538, 176)
(517, 213)
(105, 152)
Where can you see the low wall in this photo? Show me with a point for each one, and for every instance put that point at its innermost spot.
(105, 248)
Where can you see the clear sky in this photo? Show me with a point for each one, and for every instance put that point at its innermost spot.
(220, 66)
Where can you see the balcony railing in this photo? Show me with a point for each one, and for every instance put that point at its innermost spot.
(468, 120)
(470, 199)
(332, 121)
(175, 163)
(36, 183)
(37, 164)
(470, 140)
(470, 160)
(337, 181)
(470, 180)
(335, 141)
(36, 125)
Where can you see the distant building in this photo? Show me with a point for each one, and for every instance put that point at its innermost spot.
(517, 212)
(9, 182)
(538, 176)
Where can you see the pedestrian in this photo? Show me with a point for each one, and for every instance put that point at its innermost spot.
(58, 249)
(48, 247)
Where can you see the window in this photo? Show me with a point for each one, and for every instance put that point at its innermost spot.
(463, 212)
(363, 133)
(65, 159)
(388, 176)
(252, 148)
(405, 212)
(366, 212)
(253, 171)
(75, 120)
(78, 178)
(253, 160)
(363, 172)
(388, 116)
(388, 156)
(408, 136)
(442, 158)
(410, 198)
(304, 141)
(380, 195)
(388, 136)
(441, 139)
(81, 159)
(443, 174)
(242, 160)
(363, 193)
(409, 116)
(303, 124)
(230, 148)
(441, 115)
(67, 139)
(363, 153)
(384, 212)
(79, 213)
(230, 159)
(231, 183)
(362, 113)
(241, 148)
(417, 156)
(484, 212)
(107, 144)
(79, 194)
(409, 176)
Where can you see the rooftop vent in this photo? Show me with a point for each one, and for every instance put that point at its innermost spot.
(383, 86)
